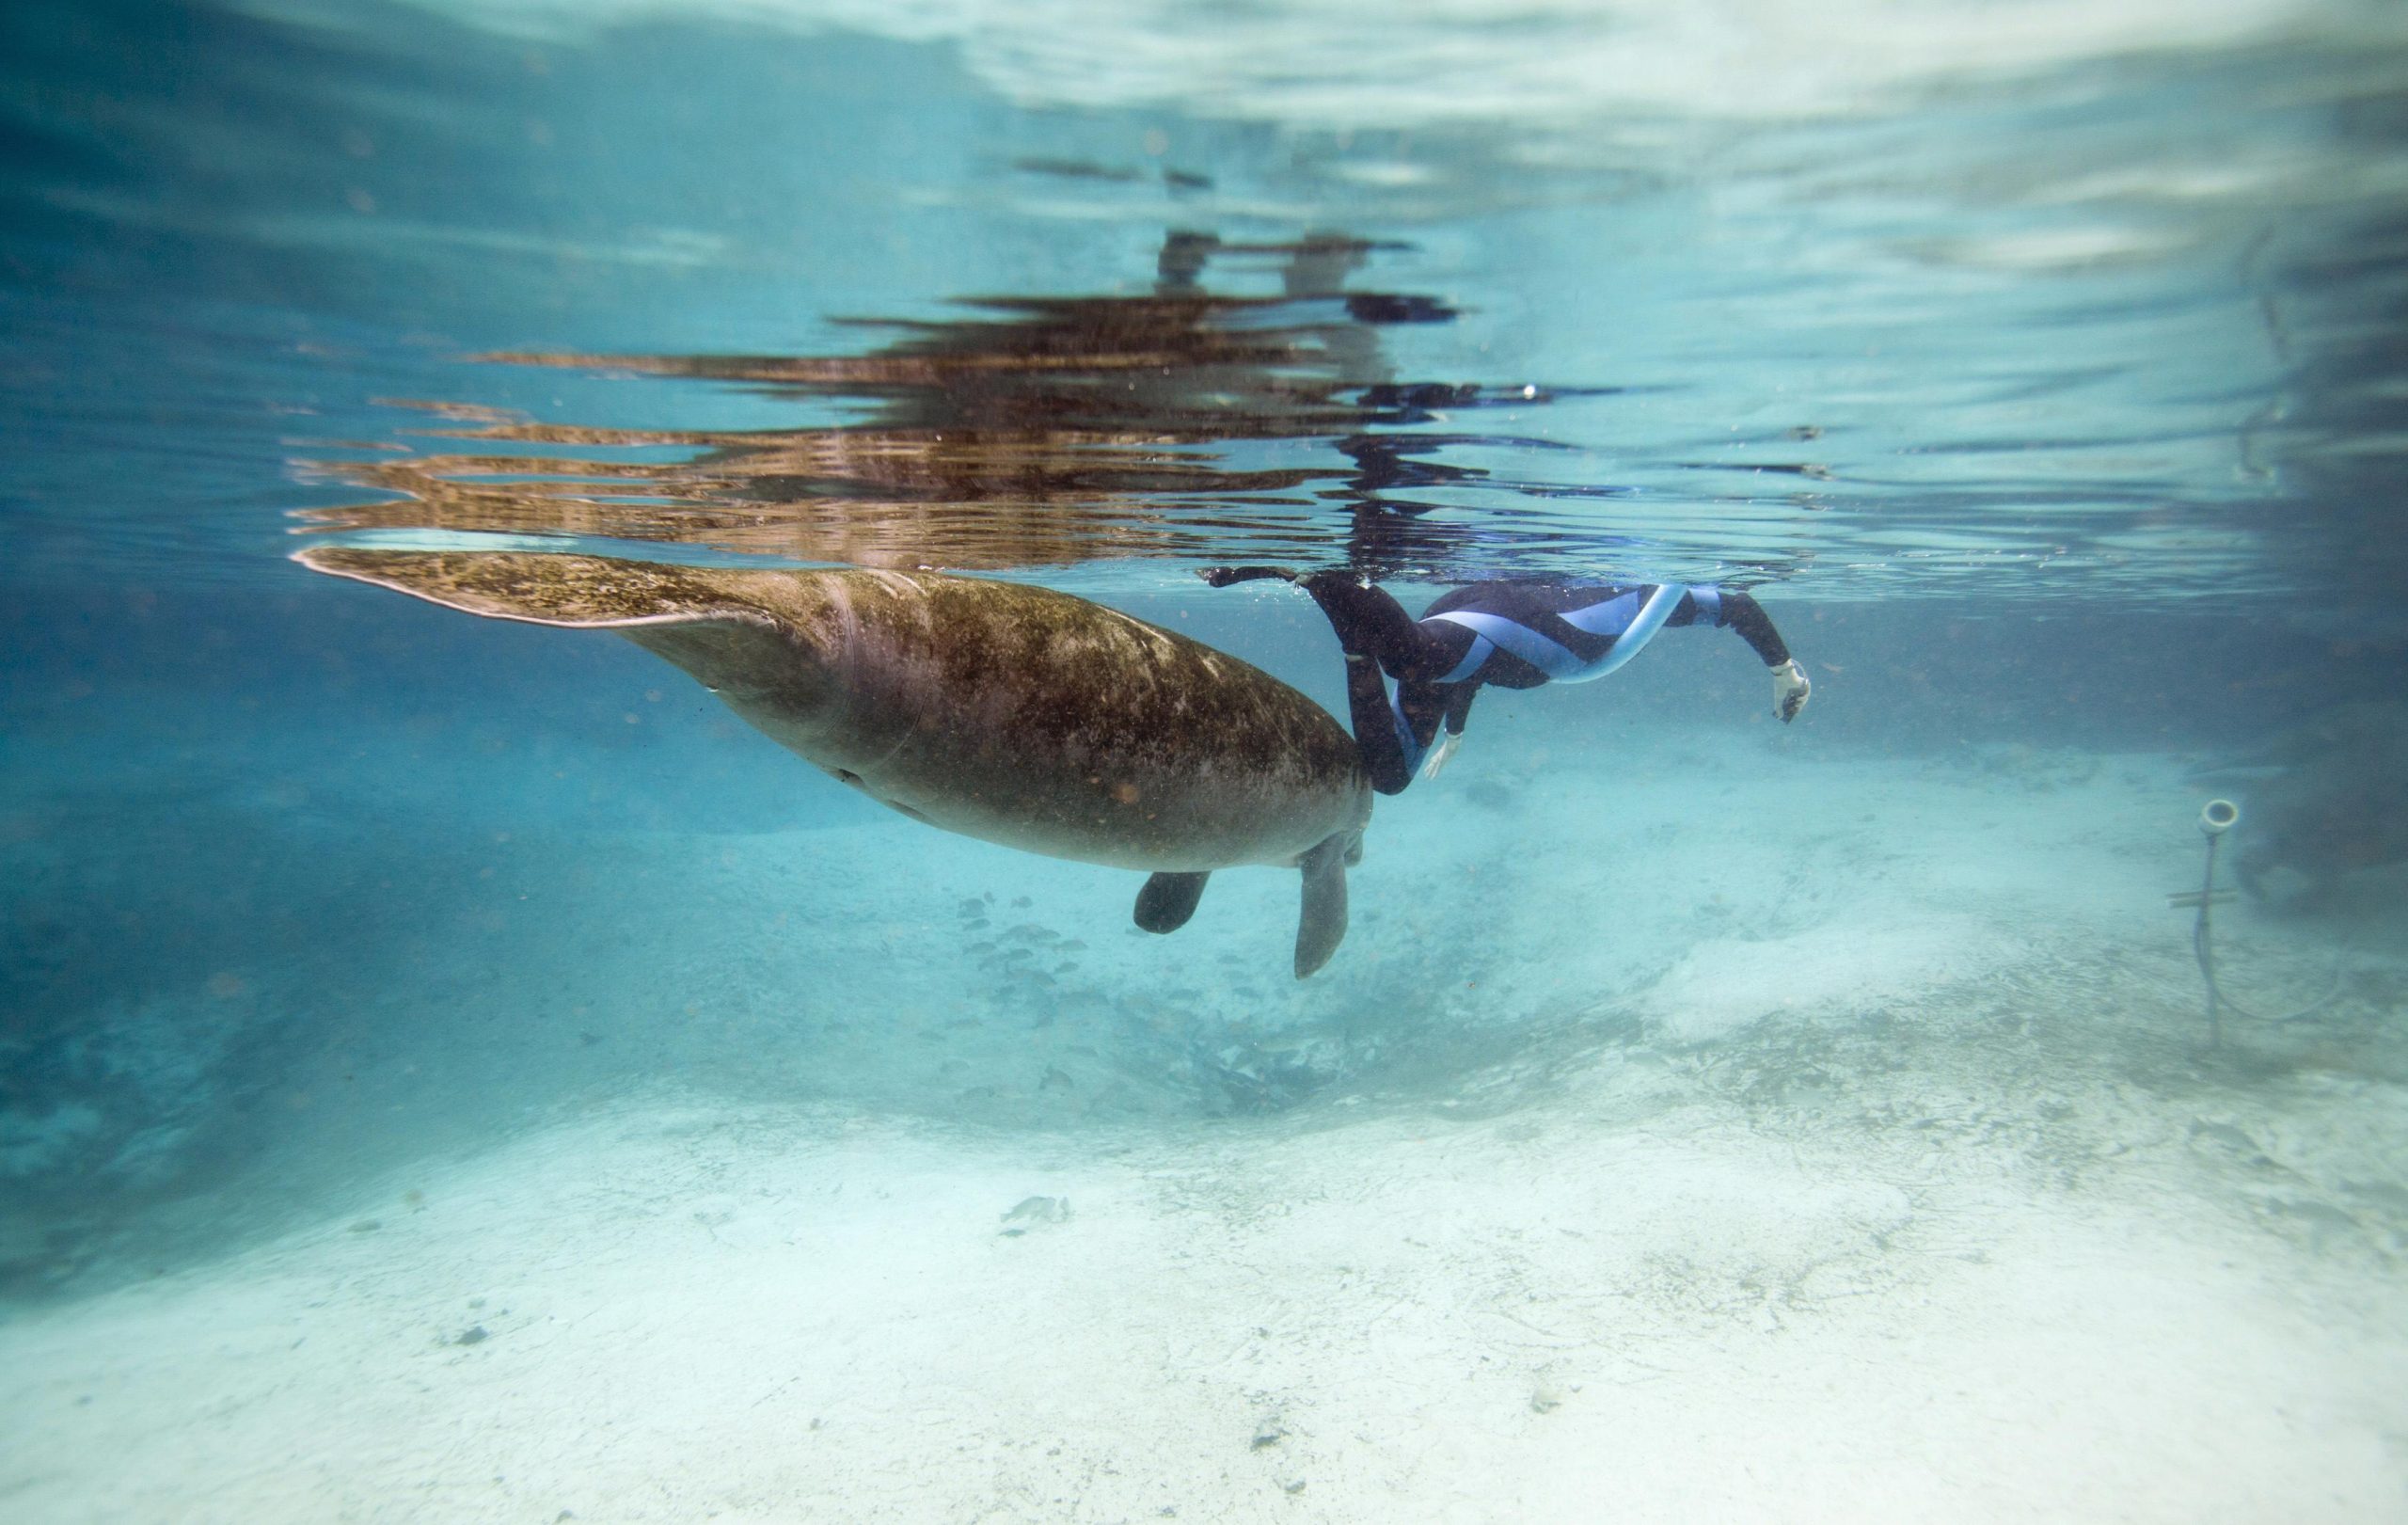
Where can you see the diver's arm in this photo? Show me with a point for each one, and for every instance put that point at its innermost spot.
(1748, 619)
(1459, 707)
(1743, 614)
(1705, 604)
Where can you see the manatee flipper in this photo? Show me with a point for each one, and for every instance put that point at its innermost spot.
(1322, 926)
(1168, 899)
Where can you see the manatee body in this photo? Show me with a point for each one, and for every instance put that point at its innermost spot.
(1014, 714)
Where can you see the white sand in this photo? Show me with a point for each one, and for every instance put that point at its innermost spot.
(1861, 1172)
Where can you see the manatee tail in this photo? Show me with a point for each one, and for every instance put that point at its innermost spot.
(705, 620)
(575, 591)
(1168, 899)
(1322, 926)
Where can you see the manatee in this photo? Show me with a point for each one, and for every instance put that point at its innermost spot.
(1014, 714)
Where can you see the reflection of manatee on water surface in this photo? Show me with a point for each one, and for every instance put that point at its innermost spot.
(1021, 432)
(1014, 714)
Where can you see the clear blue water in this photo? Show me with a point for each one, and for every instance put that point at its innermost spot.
(2041, 369)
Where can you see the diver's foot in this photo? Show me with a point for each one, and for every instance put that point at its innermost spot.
(1336, 576)
(1222, 576)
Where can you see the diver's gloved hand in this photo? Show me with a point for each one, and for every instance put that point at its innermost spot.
(1435, 763)
(1222, 576)
(1789, 691)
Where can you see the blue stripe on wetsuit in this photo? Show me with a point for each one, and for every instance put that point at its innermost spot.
(1413, 750)
(1631, 622)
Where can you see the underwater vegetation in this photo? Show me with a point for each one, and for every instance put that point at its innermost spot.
(2330, 808)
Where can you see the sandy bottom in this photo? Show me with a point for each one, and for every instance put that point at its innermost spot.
(1866, 1166)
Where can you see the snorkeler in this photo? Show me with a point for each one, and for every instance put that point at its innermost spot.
(1515, 634)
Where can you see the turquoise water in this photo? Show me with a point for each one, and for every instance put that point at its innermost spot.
(2039, 368)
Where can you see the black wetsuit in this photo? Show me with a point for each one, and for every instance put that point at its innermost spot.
(1517, 635)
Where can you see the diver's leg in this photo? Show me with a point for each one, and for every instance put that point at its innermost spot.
(1182, 259)
(1372, 628)
(1223, 577)
(1368, 620)
(1378, 635)
(1375, 738)
(1371, 623)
